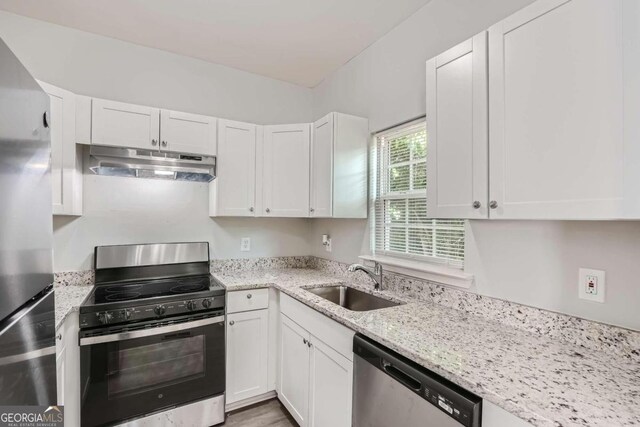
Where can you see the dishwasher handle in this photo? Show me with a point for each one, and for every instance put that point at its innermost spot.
(399, 375)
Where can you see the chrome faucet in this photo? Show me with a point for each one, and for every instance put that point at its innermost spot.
(375, 273)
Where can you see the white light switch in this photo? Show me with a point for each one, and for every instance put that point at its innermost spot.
(591, 284)
(245, 244)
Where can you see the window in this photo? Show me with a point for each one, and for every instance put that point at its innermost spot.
(399, 208)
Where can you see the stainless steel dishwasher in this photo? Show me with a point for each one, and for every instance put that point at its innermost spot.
(390, 390)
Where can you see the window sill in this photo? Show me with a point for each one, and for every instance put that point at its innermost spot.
(422, 270)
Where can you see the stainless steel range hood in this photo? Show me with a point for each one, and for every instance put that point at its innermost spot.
(131, 162)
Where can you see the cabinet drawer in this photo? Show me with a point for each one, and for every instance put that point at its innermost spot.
(252, 299)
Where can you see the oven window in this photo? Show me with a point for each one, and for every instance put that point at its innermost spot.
(143, 368)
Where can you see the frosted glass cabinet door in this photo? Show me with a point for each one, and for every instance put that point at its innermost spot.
(556, 111)
(457, 131)
(233, 192)
(285, 170)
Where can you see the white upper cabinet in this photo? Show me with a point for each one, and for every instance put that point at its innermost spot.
(339, 167)
(285, 170)
(187, 133)
(124, 125)
(561, 78)
(457, 131)
(233, 192)
(66, 157)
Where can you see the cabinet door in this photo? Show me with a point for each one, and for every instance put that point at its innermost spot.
(331, 387)
(124, 125)
(556, 108)
(294, 370)
(457, 131)
(233, 192)
(187, 133)
(247, 348)
(322, 167)
(60, 371)
(286, 170)
(66, 158)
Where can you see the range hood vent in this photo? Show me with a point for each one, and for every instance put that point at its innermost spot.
(135, 163)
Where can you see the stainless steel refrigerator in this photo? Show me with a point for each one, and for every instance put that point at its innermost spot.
(27, 317)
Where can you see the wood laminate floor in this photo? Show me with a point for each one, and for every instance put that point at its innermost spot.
(265, 414)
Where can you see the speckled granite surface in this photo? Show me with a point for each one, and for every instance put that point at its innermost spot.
(540, 378)
(71, 288)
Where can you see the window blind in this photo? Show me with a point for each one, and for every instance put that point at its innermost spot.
(399, 207)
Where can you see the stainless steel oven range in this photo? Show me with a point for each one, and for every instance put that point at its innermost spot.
(152, 336)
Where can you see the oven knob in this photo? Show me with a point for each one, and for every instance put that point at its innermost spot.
(160, 309)
(206, 303)
(105, 317)
(191, 305)
(126, 314)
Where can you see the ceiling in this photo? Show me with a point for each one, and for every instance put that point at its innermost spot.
(298, 41)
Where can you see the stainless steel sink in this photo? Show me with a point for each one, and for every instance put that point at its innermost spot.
(352, 299)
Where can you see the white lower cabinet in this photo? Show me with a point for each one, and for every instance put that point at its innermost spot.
(68, 369)
(316, 367)
(247, 355)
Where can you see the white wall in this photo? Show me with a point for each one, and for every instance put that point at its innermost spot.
(127, 210)
(530, 262)
(103, 67)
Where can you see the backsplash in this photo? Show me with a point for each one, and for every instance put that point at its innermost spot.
(589, 334)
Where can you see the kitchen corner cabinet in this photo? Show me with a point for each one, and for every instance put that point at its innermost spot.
(457, 131)
(562, 125)
(233, 192)
(316, 367)
(284, 162)
(68, 369)
(339, 167)
(66, 156)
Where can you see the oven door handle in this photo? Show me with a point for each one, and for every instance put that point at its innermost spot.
(159, 330)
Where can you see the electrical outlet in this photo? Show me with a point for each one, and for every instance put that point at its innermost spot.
(245, 244)
(327, 245)
(591, 285)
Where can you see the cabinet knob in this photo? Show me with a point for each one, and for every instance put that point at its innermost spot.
(267, 210)
(248, 296)
(231, 323)
(154, 142)
(311, 210)
(251, 209)
(304, 340)
(476, 205)
(164, 143)
(493, 204)
(309, 344)
(59, 337)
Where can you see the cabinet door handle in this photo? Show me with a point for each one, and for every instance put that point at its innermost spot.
(493, 204)
(251, 209)
(164, 143)
(154, 142)
(267, 210)
(59, 337)
(248, 296)
(311, 210)
(476, 205)
(231, 323)
(309, 344)
(304, 340)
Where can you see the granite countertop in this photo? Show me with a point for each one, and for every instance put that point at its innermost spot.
(68, 298)
(544, 381)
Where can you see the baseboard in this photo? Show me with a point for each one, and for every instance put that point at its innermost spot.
(250, 401)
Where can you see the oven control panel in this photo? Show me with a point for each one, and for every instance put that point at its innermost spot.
(149, 311)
